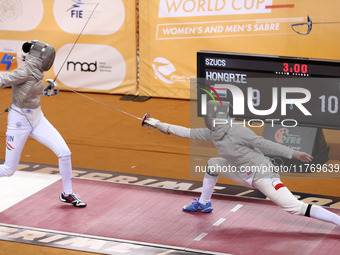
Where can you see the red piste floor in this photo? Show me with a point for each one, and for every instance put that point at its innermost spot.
(154, 216)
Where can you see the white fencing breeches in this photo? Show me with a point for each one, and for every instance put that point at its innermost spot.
(269, 184)
(18, 130)
(277, 192)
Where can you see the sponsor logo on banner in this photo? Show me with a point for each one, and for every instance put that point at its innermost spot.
(81, 66)
(10, 10)
(90, 66)
(9, 51)
(163, 68)
(8, 61)
(17, 14)
(193, 8)
(72, 15)
(165, 71)
(282, 136)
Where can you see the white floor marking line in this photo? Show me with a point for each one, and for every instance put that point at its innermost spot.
(219, 222)
(244, 193)
(166, 252)
(236, 208)
(200, 236)
(22, 185)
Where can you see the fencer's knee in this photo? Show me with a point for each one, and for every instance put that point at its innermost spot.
(298, 208)
(214, 161)
(65, 153)
(285, 199)
(212, 166)
(9, 170)
(65, 157)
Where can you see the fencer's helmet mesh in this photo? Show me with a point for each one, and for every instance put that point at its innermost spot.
(216, 111)
(27, 46)
(42, 51)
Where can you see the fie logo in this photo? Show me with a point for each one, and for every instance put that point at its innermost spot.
(163, 69)
(75, 11)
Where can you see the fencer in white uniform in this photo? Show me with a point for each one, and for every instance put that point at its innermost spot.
(241, 149)
(25, 117)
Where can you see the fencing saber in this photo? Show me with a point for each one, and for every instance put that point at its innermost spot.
(76, 92)
(309, 25)
(4, 111)
(129, 114)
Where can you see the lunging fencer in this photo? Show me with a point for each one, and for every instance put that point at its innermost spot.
(239, 147)
(25, 117)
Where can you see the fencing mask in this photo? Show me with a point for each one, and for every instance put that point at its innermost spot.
(42, 51)
(217, 114)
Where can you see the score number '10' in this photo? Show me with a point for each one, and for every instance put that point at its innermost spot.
(332, 102)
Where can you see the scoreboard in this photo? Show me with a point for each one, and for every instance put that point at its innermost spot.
(271, 88)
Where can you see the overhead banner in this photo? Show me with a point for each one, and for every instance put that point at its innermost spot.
(173, 31)
(104, 59)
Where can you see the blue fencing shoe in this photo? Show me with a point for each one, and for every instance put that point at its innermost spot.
(198, 207)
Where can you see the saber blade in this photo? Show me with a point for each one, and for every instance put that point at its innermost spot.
(129, 114)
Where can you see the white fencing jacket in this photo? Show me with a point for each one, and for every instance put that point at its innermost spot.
(237, 144)
(27, 87)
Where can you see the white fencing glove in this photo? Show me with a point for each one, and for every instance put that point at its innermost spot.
(51, 89)
(147, 121)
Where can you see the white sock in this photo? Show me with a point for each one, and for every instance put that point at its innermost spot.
(209, 183)
(320, 213)
(65, 168)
